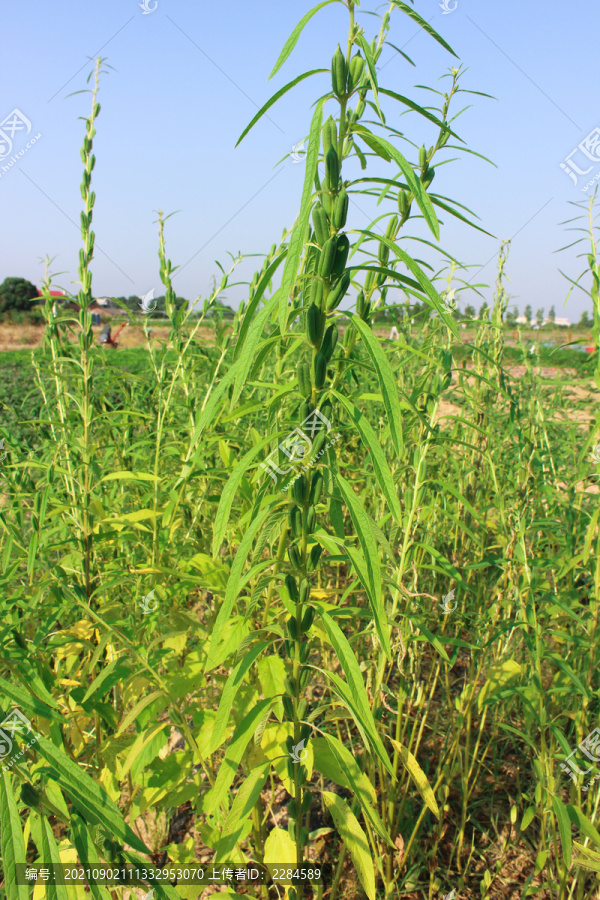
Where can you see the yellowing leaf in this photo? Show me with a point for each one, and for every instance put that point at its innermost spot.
(355, 839)
(274, 747)
(418, 776)
(499, 676)
(280, 850)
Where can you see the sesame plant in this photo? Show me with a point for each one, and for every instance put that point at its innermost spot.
(309, 504)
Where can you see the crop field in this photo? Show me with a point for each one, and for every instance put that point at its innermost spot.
(286, 600)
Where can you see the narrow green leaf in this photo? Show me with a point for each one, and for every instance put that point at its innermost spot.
(251, 308)
(380, 465)
(293, 38)
(336, 762)
(421, 110)
(107, 678)
(233, 756)
(353, 693)
(138, 708)
(248, 355)
(387, 381)
(371, 73)
(238, 823)
(418, 776)
(564, 828)
(232, 686)
(355, 840)
(86, 852)
(229, 491)
(371, 555)
(275, 98)
(233, 588)
(12, 845)
(49, 853)
(583, 823)
(88, 797)
(414, 15)
(290, 271)
(414, 183)
(28, 704)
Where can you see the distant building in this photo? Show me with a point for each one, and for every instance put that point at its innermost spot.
(561, 322)
(522, 320)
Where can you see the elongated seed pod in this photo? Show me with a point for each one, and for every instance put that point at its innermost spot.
(341, 255)
(327, 201)
(292, 628)
(318, 444)
(307, 409)
(404, 204)
(328, 255)
(422, 157)
(360, 108)
(392, 229)
(355, 70)
(291, 776)
(320, 371)
(30, 795)
(302, 706)
(316, 488)
(321, 224)
(290, 685)
(383, 254)
(303, 373)
(339, 74)
(428, 176)
(303, 679)
(369, 281)
(306, 802)
(316, 291)
(308, 619)
(289, 743)
(326, 408)
(300, 485)
(292, 805)
(340, 209)
(304, 651)
(313, 558)
(305, 731)
(288, 707)
(310, 520)
(338, 292)
(330, 339)
(367, 311)
(294, 556)
(315, 325)
(295, 517)
(304, 591)
(292, 588)
(332, 170)
(329, 135)
(361, 302)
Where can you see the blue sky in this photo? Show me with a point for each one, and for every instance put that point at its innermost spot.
(187, 79)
